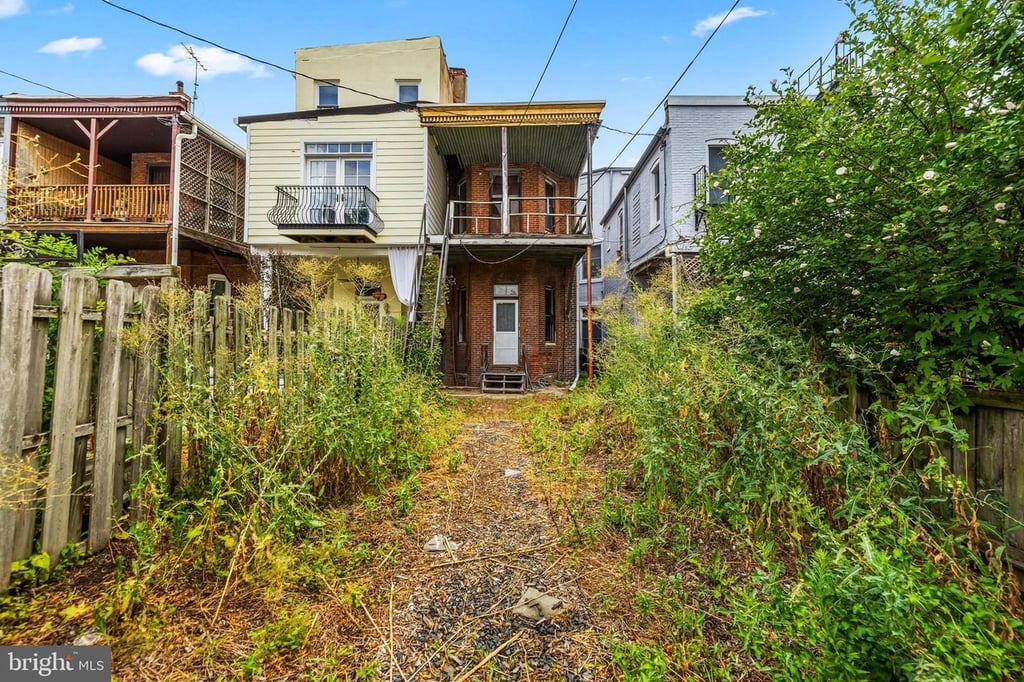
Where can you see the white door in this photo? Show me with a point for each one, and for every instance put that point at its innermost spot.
(506, 332)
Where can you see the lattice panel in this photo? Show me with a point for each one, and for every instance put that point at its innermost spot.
(196, 154)
(222, 162)
(222, 223)
(193, 214)
(691, 274)
(193, 183)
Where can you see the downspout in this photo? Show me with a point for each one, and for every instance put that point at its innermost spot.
(176, 191)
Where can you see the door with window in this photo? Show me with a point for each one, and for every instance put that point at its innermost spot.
(506, 332)
(339, 174)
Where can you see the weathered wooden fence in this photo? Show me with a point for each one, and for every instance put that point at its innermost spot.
(69, 462)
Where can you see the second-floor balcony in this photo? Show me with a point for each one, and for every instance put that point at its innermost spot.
(537, 216)
(125, 203)
(326, 213)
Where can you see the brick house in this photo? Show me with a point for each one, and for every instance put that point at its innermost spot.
(139, 176)
(513, 233)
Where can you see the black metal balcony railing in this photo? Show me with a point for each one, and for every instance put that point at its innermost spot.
(317, 206)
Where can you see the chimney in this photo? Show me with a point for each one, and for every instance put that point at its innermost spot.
(180, 92)
(458, 77)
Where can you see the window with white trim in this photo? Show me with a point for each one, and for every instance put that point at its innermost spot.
(595, 264)
(655, 196)
(331, 164)
(328, 95)
(407, 91)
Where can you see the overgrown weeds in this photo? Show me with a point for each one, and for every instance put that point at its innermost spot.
(853, 574)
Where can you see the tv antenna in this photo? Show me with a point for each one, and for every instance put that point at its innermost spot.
(195, 77)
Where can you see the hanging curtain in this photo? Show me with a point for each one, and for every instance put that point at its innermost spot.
(402, 260)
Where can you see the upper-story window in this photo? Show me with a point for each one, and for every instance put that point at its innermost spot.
(339, 163)
(716, 162)
(655, 196)
(621, 220)
(595, 264)
(408, 91)
(327, 95)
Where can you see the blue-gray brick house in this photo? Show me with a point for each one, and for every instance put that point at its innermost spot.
(653, 216)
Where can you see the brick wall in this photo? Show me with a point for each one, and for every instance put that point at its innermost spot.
(554, 361)
(141, 163)
(532, 178)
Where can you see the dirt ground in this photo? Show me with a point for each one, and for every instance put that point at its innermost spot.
(406, 613)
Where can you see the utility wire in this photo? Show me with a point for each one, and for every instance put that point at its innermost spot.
(550, 57)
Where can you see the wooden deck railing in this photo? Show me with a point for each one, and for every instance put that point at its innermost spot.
(527, 215)
(135, 203)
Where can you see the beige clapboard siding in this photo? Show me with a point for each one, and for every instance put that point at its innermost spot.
(437, 193)
(276, 158)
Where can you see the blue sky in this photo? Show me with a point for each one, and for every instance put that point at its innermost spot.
(625, 52)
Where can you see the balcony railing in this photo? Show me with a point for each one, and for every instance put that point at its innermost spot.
(314, 206)
(130, 203)
(527, 215)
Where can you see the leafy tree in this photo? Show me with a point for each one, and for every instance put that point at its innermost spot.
(885, 215)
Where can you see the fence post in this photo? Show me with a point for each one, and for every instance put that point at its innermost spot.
(106, 502)
(176, 377)
(71, 382)
(22, 288)
(221, 353)
(147, 361)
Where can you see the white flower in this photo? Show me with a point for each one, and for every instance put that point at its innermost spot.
(836, 330)
(739, 298)
(1000, 221)
(855, 292)
(841, 170)
(796, 290)
(1001, 206)
(830, 200)
(1010, 105)
(716, 184)
(901, 289)
(852, 356)
(950, 145)
(986, 344)
(847, 235)
(943, 209)
(929, 175)
(1002, 112)
(803, 265)
(894, 352)
(746, 273)
(1008, 188)
(757, 232)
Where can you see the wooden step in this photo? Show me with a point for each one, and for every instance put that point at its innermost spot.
(501, 381)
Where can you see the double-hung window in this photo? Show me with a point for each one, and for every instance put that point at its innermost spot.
(655, 196)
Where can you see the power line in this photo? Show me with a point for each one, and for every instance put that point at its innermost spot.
(550, 57)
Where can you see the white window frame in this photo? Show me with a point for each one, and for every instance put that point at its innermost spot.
(721, 145)
(657, 196)
(400, 83)
(307, 156)
(321, 83)
(595, 273)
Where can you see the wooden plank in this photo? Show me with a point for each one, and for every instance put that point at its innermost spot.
(990, 464)
(287, 337)
(1007, 400)
(272, 334)
(240, 334)
(105, 501)
(200, 360)
(139, 271)
(39, 344)
(144, 392)
(91, 316)
(1013, 476)
(176, 344)
(75, 291)
(19, 292)
(220, 339)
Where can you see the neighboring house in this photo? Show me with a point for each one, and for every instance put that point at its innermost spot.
(383, 160)
(607, 183)
(654, 215)
(139, 176)
(345, 175)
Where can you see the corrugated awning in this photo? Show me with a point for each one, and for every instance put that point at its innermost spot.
(553, 134)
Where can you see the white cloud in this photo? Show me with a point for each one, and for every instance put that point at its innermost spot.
(709, 24)
(665, 39)
(10, 8)
(634, 79)
(66, 46)
(64, 9)
(178, 62)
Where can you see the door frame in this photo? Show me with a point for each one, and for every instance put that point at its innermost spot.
(495, 332)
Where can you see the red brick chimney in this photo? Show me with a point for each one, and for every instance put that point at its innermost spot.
(180, 92)
(458, 76)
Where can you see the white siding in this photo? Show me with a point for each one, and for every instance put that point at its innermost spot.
(437, 191)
